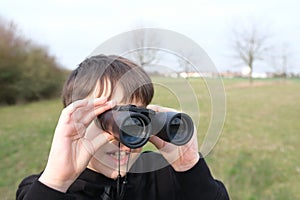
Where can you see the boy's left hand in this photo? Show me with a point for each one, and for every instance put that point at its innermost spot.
(182, 158)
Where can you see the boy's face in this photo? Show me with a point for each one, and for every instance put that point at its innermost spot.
(106, 159)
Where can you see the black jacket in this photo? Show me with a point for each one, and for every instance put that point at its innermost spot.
(161, 184)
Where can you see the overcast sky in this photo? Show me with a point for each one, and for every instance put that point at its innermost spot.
(72, 29)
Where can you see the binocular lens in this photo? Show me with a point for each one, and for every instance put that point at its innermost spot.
(176, 128)
(134, 131)
(180, 129)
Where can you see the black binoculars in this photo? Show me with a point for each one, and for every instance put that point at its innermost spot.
(134, 125)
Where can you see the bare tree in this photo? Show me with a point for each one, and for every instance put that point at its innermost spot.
(185, 64)
(281, 59)
(144, 47)
(250, 44)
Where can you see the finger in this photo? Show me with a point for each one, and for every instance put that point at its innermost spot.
(74, 106)
(91, 114)
(98, 141)
(99, 101)
(163, 146)
(92, 104)
(99, 109)
(83, 103)
(88, 109)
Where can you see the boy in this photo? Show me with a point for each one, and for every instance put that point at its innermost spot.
(86, 162)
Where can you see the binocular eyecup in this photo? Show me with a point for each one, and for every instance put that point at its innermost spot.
(133, 126)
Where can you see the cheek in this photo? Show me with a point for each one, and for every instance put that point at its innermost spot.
(101, 155)
(135, 153)
(102, 151)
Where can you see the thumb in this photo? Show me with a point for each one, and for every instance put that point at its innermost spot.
(92, 145)
(100, 140)
(157, 142)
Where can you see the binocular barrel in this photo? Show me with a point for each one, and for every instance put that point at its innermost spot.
(133, 126)
(176, 128)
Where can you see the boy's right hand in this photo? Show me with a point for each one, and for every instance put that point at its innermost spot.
(70, 151)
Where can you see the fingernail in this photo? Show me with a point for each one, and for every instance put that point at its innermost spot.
(112, 102)
(101, 99)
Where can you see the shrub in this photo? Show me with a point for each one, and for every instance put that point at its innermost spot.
(27, 71)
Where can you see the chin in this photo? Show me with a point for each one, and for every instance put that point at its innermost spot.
(107, 168)
(115, 174)
(109, 160)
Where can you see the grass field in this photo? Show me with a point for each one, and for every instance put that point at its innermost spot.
(256, 156)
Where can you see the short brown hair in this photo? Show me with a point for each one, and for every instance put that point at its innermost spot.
(108, 70)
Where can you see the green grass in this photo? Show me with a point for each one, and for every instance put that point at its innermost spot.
(26, 133)
(259, 146)
(256, 156)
